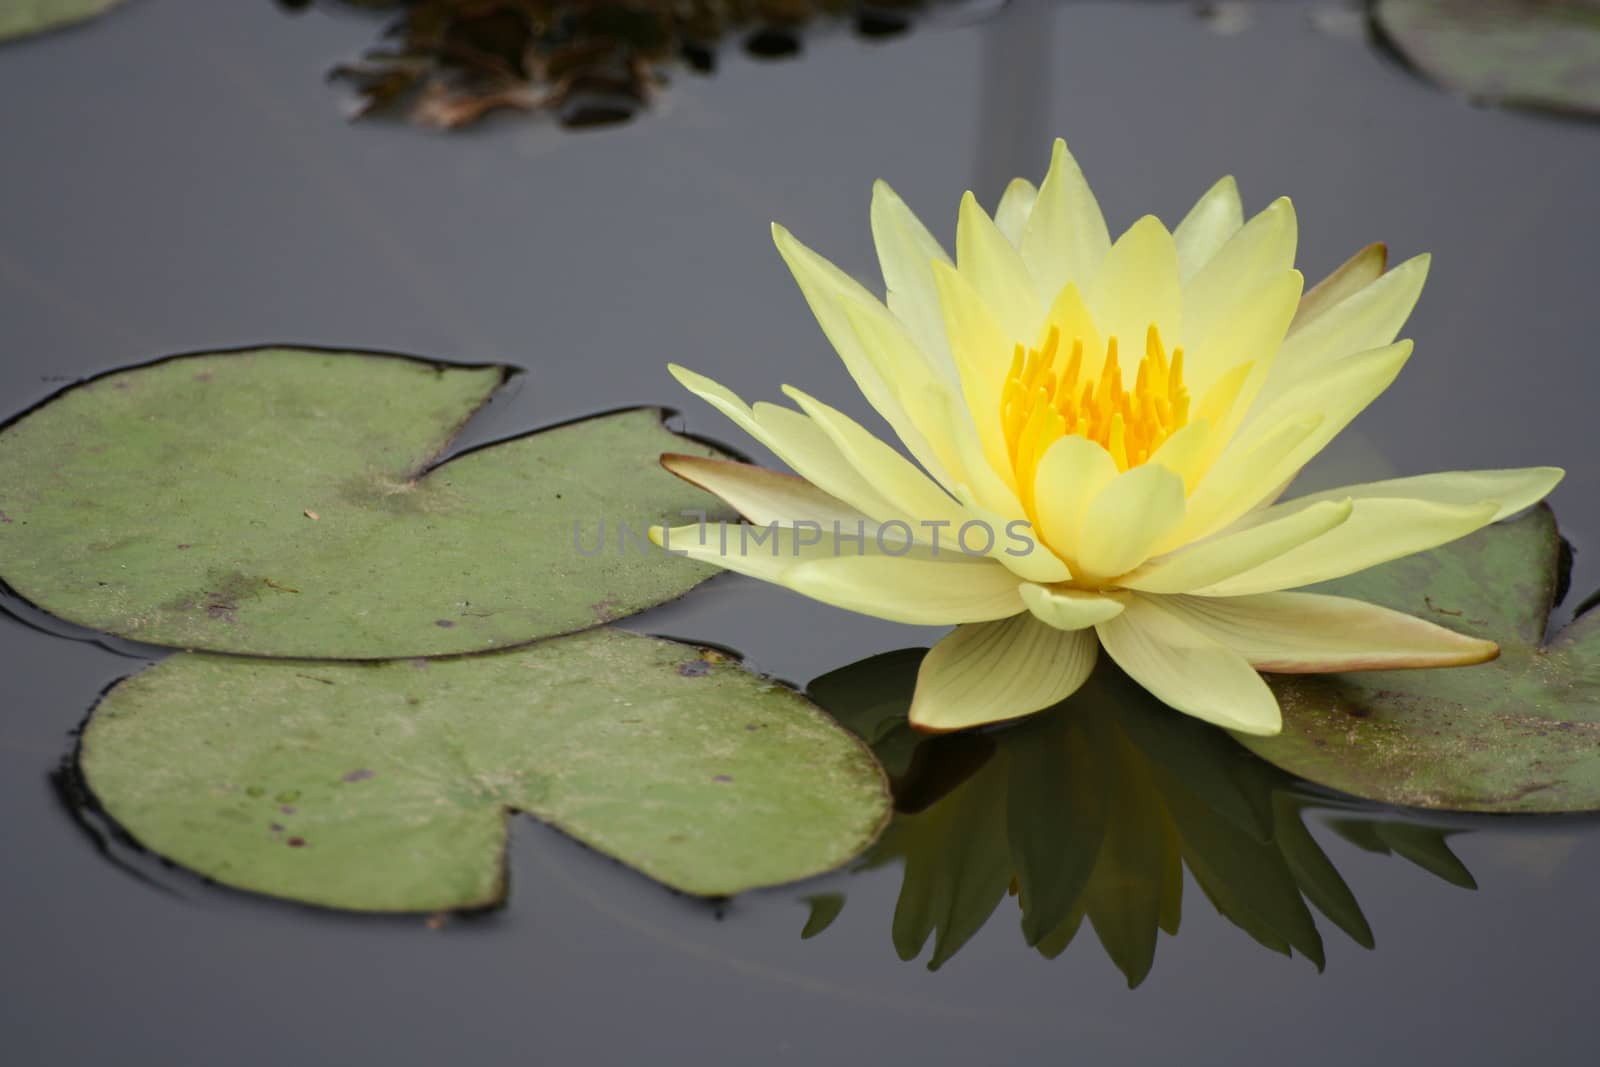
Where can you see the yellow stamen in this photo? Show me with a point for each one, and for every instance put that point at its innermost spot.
(1040, 404)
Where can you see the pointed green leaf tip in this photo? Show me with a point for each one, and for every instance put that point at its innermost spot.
(387, 786)
(1519, 734)
(286, 502)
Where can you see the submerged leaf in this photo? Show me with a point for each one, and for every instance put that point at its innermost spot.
(23, 18)
(1541, 54)
(1521, 733)
(286, 502)
(387, 786)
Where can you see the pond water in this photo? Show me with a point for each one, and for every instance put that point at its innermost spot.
(179, 177)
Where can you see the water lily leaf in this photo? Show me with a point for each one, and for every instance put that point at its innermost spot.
(1521, 733)
(388, 786)
(1526, 53)
(286, 502)
(22, 18)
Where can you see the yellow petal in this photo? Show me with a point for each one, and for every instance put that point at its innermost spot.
(1016, 204)
(1187, 453)
(1215, 218)
(876, 574)
(1252, 335)
(991, 671)
(793, 439)
(1017, 545)
(906, 254)
(1072, 473)
(877, 363)
(1066, 237)
(1069, 609)
(1261, 250)
(763, 495)
(1069, 317)
(1189, 671)
(1367, 319)
(1138, 285)
(1377, 531)
(1126, 520)
(1512, 489)
(913, 588)
(912, 493)
(1355, 273)
(982, 352)
(1235, 551)
(1308, 633)
(1282, 436)
(994, 267)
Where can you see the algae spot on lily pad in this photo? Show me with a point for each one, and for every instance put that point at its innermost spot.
(289, 502)
(23, 18)
(1541, 54)
(388, 786)
(1519, 734)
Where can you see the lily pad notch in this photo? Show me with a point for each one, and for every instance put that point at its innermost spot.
(388, 786)
(303, 503)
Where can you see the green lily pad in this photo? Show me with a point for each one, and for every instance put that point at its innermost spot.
(388, 786)
(23, 18)
(1521, 733)
(285, 502)
(1091, 811)
(1542, 54)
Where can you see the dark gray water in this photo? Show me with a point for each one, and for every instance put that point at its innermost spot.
(178, 177)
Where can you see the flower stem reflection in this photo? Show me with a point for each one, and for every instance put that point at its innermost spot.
(1089, 814)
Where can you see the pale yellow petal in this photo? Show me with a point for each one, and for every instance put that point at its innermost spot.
(1072, 473)
(1260, 251)
(878, 362)
(995, 268)
(1215, 218)
(1069, 609)
(1512, 489)
(1126, 520)
(877, 574)
(991, 671)
(1252, 335)
(1187, 453)
(1138, 285)
(763, 495)
(1233, 552)
(915, 589)
(1017, 545)
(1189, 671)
(908, 490)
(1378, 530)
(1285, 435)
(906, 254)
(1066, 237)
(793, 439)
(1308, 633)
(1367, 319)
(1355, 273)
(1016, 204)
(982, 352)
(1070, 318)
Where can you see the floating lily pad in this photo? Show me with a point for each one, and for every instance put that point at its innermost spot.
(1526, 53)
(285, 502)
(388, 786)
(1521, 733)
(22, 18)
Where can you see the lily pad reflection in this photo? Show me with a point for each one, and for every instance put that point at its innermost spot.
(1089, 814)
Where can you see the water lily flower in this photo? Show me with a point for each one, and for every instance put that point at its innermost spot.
(1100, 431)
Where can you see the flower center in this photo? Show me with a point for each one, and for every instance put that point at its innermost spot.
(1044, 400)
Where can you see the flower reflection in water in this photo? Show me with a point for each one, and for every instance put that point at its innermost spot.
(1091, 812)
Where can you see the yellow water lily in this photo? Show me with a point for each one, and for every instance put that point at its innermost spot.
(1095, 435)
